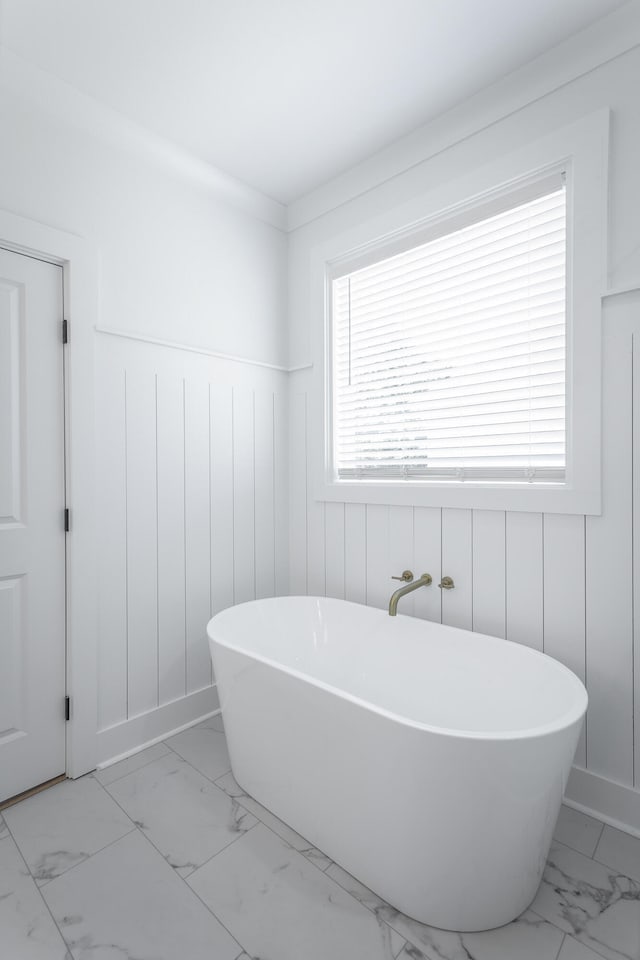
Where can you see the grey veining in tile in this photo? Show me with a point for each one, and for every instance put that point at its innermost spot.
(578, 831)
(620, 851)
(234, 790)
(27, 931)
(358, 890)
(183, 814)
(527, 938)
(573, 950)
(204, 748)
(126, 903)
(278, 905)
(592, 902)
(121, 769)
(64, 825)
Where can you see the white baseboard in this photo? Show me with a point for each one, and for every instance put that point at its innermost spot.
(614, 803)
(136, 734)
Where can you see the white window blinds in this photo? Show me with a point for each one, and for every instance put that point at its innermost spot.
(449, 358)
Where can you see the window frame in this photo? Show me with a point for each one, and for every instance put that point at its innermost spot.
(582, 151)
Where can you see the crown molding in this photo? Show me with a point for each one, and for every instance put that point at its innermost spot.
(62, 101)
(604, 40)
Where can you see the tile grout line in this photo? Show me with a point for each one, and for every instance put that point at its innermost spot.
(595, 849)
(141, 767)
(213, 784)
(561, 946)
(148, 840)
(39, 890)
(179, 876)
(88, 857)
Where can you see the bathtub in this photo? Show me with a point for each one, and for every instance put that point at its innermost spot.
(428, 761)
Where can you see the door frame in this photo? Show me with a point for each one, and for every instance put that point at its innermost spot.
(79, 261)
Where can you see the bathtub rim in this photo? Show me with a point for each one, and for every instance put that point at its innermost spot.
(566, 721)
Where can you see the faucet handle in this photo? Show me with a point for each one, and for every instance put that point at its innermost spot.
(446, 583)
(407, 576)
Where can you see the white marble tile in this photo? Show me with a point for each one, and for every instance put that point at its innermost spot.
(204, 748)
(126, 902)
(27, 931)
(358, 890)
(121, 769)
(578, 831)
(620, 851)
(527, 938)
(234, 790)
(278, 905)
(573, 950)
(64, 825)
(593, 903)
(183, 814)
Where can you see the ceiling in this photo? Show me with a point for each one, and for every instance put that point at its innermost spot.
(286, 94)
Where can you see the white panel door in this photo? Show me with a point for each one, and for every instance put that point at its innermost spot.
(32, 544)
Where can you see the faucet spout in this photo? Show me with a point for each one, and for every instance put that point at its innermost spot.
(422, 581)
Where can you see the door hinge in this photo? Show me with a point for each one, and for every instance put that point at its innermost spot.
(67, 709)
(67, 520)
(65, 331)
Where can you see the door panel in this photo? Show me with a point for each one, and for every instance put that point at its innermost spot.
(32, 544)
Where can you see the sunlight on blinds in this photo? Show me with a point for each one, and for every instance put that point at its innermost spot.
(449, 358)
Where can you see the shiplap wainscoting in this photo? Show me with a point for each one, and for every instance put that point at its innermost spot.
(562, 584)
(192, 487)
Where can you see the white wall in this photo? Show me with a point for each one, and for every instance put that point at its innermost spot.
(190, 455)
(562, 584)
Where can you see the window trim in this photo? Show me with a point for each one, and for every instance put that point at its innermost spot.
(582, 150)
(501, 200)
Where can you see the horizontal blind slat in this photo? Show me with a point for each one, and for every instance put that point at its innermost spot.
(451, 355)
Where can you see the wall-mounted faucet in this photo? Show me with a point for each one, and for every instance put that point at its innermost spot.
(411, 584)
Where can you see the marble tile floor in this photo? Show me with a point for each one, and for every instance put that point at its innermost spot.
(164, 857)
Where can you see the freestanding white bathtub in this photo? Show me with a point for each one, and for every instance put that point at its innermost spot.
(428, 761)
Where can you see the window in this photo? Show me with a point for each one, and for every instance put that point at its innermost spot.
(449, 356)
(456, 327)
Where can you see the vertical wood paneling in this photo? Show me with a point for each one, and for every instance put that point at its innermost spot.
(112, 555)
(316, 532)
(197, 526)
(244, 572)
(489, 572)
(281, 493)
(609, 589)
(221, 467)
(142, 553)
(401, 554)
(636, 548)
(355, 552)
(379, 572)
(334, 552)
(427, 558)
(564, 597)
(298, 495)
(193, 514)
(171, 540)
(264, 495)
(457, 537)
(524, 579)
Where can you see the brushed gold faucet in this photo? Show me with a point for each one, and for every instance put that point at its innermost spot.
(410, 584)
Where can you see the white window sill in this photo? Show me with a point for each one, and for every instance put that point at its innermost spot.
(524, 497)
